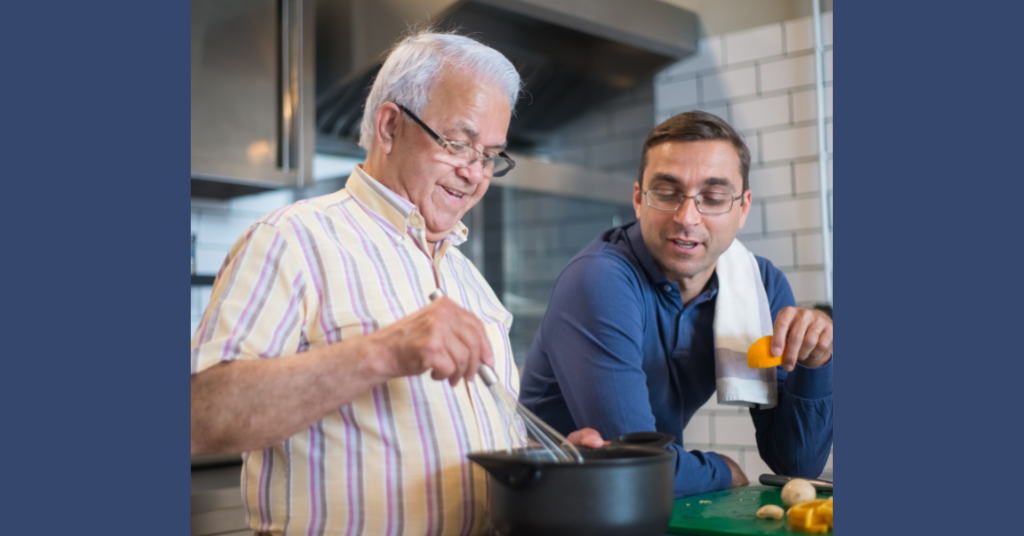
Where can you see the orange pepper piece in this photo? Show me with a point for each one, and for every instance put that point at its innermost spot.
(760, 354)
(811, 516)
(826, 512)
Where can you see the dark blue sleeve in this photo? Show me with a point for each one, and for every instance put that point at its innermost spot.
(795, 437)
(593, 333)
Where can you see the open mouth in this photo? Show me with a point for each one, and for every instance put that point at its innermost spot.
(685, 244)
(453, 193)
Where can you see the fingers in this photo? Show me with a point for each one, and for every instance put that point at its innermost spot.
(818, 342)
(807, 336)
(586, 437)
(462, 342)
(780, 335)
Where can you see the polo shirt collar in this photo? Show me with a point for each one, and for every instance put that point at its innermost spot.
(395, 210)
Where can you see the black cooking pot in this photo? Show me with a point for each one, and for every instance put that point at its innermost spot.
(620, 489)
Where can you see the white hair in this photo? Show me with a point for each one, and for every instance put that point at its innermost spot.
(409, 73)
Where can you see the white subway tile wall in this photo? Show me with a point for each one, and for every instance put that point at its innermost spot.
(781, 250)
(760, 113)
(716, 86)
(771, 181)
(789, 144)
(787, 73)
(217, 225)
(757, 43)
(762, 81)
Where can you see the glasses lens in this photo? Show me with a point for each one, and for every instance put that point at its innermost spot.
(714, 203)
(500, 166)
(662, 200)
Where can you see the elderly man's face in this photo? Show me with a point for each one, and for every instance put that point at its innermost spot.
(460, 109)
(686, 243)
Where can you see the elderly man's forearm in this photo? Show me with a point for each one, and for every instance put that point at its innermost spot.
(252, 404)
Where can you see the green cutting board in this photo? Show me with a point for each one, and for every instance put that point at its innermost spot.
(730, 512)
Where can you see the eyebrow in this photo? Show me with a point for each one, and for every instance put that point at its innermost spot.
(465, 128)
(710, 181)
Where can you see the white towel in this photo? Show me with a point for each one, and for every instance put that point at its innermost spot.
(742, 316)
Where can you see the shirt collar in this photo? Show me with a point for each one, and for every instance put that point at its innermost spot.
(643, 256)
(395, 210)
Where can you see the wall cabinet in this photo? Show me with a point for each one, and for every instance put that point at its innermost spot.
(252, 89)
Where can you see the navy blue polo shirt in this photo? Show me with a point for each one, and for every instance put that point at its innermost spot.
(618, 352)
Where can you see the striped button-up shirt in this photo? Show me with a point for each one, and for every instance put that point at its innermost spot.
(393, 462)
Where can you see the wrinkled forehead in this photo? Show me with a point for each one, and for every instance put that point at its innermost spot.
(466, 105)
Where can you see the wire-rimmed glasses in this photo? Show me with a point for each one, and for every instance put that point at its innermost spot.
(707, 202)
(465, 155)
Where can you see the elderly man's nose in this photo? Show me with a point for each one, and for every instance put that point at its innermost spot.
(474, 173)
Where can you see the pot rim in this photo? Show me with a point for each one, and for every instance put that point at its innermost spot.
(652, 456)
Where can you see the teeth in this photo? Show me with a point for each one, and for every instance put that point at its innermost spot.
(454, 193)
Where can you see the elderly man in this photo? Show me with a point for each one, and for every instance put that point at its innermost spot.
(653, 317)
(317, 353)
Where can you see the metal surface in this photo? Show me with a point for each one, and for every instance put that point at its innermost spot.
(819, 78)
(252, 95)
(618, 489)
(566, 179)
(780, 481)
(730, 512)
(571, 55)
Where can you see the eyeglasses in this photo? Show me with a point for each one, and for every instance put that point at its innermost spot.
(464, 155)
(707, 203)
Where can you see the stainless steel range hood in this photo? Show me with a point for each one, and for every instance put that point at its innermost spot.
(572, 54)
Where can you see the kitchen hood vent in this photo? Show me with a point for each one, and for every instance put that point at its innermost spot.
(572, 54)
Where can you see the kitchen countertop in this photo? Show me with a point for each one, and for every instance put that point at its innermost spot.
(217, 501)
(713, 516)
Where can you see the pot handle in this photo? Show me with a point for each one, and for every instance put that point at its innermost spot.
(514, 475)
(656, 440)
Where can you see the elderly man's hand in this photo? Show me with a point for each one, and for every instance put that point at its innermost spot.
(587, 437)
(442, 337)
(806, 335)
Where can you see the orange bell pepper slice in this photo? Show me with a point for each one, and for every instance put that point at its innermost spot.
(811, 516)
(760, 354)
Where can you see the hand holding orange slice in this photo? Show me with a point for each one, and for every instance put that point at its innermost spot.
(760, 354)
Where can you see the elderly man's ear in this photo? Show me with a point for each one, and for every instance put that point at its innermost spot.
(388, 116)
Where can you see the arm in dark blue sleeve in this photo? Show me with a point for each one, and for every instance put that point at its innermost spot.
(593, 333)
(795, 437)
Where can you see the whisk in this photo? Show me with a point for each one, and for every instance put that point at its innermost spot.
(553, 445)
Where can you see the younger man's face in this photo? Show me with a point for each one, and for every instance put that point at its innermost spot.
(685, 243)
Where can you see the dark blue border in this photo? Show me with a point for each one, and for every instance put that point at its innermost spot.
(94, 185)
(928, 267)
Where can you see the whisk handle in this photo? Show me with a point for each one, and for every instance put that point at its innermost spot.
(487, 375)
(486, 372)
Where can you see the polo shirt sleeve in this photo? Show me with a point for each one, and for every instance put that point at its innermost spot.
(593, 334)
(256, 309)
(795, 437)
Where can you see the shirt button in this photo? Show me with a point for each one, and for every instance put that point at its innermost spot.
(668, 288)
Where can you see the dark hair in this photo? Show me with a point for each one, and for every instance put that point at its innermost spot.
(697, 126)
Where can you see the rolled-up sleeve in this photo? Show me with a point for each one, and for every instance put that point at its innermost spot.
(256, 309)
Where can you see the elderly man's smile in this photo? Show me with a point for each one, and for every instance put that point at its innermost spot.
(452, 193)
